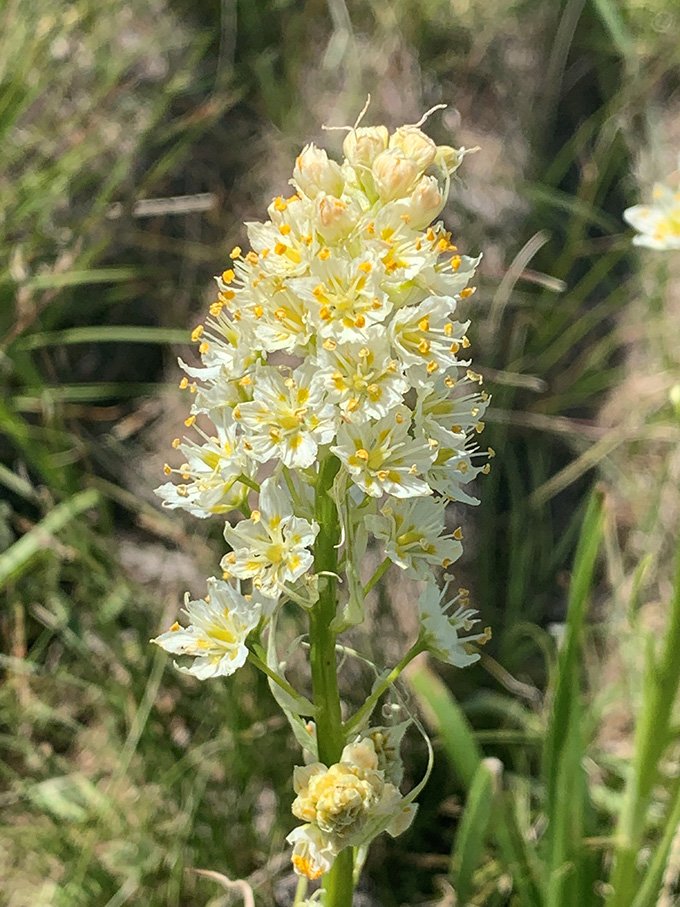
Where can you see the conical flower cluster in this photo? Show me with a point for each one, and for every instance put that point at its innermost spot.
(334, 339)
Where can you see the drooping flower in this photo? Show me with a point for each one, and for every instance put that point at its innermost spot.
(657, 224)
(442, 626)
(216, 635)
(272, 546)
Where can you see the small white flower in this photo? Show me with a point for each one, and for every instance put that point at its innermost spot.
(440, 629)
(217, 632)
(210, 474)
(382, 458)
(313, 853)
(415, 145)
(363, 144)
(362, 377)
(658, 224)
(287, 417)
(395, 174)
(271, 547)
(411, 532)
(426, 340)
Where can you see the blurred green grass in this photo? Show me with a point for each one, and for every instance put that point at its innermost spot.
(119, 776)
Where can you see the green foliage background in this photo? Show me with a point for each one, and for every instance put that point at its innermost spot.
(117, 776)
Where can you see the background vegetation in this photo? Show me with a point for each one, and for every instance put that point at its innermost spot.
(136, 137)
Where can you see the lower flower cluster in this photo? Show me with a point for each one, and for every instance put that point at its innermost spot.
(344, 805)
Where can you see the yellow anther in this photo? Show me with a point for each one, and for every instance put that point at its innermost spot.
(252, 258)
(259, 311)
(424, 346)
(280, 204)
(203, 348)
(227, 295)
(324, 254)
(431, 367)
(184, 383)
(167, 469)
(216, 308)
(280, 248)
(235, 252)
(467, 292)
(362, 454)
(458, 534)
(366, 267)
(479, 428)
(256, 516)
(176, 626)
(175, 443)
(454, 347)
(196, 333)
(424, 324)
(359, 321)
(490, 452)
(455, 262)
(324, 313)
(190, 421)
(280, 313)
(486, 469)
(285, 229)
(228, 275)
(329, 344)
(466, 343)
(383, 474)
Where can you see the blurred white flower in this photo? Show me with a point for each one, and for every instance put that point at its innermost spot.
(657, 224)
(441, 627)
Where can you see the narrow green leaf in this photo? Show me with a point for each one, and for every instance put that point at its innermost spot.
(105, 334)
(473, 832)
(81, 278)
(16, 559)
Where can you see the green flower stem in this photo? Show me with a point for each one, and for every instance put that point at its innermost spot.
(377, 576)
(262, 665)
(366, 709)
(652, 734)
(338, 883)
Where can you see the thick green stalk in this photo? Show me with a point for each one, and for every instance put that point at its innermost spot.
(652, 733)
(338, 883)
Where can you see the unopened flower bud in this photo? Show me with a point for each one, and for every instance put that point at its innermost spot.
(415, 145)
(364, 144)
(335, 217)
(449, 159)
(314, 172)
(394, 174)
(425, 203)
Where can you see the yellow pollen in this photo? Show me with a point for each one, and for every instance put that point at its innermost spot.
(167, 469)
(256, 516)
(366, 267)
(184, 383)
(304, 867)
(431, 367)
(455, 262)
(259, 311)
(329, 344)
(491, 452)
(196, 333)
(359, 321)
(458, 534)
(467, 292)
(280, 313)
(284, 229)
(324, 254)
(227, 295)
(370, 229)
(325, 313)
(424, 347)
(175, 443)
(424, 324)
(216, 308)
(362, 454)
(235, 252)
(280, 204)
(203, 348)
(466, 343)
(280, 248)
(190, 421)
(228, 275)
(486, 469)
(176, 626)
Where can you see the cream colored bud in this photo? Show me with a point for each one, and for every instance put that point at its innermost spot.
(425, 203)
(394, 174)
(449, 159)
(314, 172)
(415, 145)
(364, 144)
(334, 217)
